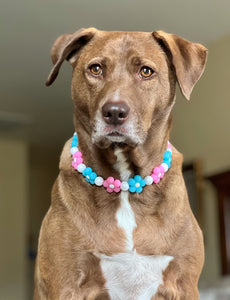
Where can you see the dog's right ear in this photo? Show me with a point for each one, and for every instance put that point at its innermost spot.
(187, 58)
(66, 48)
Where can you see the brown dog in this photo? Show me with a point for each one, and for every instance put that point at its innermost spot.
(122, 245)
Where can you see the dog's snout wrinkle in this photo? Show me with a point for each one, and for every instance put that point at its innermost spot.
(115, 113)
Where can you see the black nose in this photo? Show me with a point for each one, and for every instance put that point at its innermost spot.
(115, 113)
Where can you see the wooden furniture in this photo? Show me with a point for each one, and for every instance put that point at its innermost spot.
(222, 183)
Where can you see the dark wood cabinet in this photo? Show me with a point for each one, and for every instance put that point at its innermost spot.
(221, 182)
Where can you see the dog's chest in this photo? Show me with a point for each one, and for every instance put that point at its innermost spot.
(130, 275)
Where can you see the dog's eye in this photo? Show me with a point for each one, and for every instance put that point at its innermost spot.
(96, 70)
(146, 72)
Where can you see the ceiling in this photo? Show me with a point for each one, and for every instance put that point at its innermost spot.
(28, 28)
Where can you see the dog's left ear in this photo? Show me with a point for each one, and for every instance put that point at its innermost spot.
(187, 58)
(66, 47)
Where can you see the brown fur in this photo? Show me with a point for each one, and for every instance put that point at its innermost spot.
(81, 222)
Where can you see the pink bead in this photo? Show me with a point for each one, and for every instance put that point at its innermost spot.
(155, 178)
(110, 180)
(105, 183)
(162, 172)
(117, 183)
(79, 160)
(77, 154)
(156, 170)
(112, 185)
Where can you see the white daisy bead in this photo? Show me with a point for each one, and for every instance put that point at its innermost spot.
(165, 166)
(148, 180)
(99, 181)
(73, 150)
(81, 167)
(124, 186)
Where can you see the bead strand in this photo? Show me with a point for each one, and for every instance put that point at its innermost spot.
(133, 185)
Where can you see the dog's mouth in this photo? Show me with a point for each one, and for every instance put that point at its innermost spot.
(105, 135)
(115, 133)
(114, 138)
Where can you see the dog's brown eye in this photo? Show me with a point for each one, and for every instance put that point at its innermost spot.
(96, 70)
(146, 72)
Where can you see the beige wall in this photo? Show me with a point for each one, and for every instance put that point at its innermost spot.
(43, 170)
(201, 125)
(201, 130)
(13, 219)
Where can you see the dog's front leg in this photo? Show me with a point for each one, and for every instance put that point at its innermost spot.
(170, 292)
(179, 283)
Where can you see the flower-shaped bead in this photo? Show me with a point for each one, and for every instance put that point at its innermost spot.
(90, 176)
(112, 185)
(77, 159)
(136, 184)
(157, 174)
(159, 171)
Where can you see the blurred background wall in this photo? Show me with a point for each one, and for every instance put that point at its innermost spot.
(201, 130)
(35, 121)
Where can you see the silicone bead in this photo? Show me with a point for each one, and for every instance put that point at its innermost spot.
(167, 163)
(148, 180)
(165, 166)
(78, 160)
(167, 155)
(136, 184)
(73, 150)
(124, 186)
(156, 179)
(81, 168)
(170, 150)
(156, 170)
(74, 141)
(112, 185)
(77, 154)
(99, 181)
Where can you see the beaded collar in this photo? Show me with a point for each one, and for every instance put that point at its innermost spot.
(134, 185)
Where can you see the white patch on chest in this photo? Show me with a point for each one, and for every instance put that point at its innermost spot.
(121, 165)
(130, 276)
(126, 220)
(125, 216)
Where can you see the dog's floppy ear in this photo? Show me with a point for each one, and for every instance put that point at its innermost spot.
(66, 47)
(187, 58)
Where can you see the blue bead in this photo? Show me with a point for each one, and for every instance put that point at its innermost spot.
(74, 142)
(143, 183)
(87, 171)
(139, 189)
(137, 178)
(132, 189)
(131, 181)
(167, 155)
(92, 177)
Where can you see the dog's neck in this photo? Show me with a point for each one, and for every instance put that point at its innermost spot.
(140, 159)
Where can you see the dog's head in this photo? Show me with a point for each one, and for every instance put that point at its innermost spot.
(124, 82)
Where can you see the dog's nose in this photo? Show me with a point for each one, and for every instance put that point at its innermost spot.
(115, 113)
